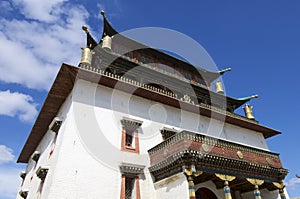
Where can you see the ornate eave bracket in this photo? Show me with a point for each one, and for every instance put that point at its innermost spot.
(167, 132)
(131, 169)
(131, 124)
(42, 172)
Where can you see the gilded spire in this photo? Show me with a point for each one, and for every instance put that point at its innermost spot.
(85, 28)
(221, 72)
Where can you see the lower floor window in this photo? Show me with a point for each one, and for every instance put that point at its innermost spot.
(129, 185)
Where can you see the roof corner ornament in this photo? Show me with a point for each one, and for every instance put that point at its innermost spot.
(85, 28)
(219, 87)
(103, 13)
(221, 72)
(106, 43)
(86, 56)
(248, 112)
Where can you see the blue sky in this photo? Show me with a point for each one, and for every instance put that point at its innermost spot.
(259, 40)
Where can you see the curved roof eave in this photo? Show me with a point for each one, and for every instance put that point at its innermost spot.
(108, 30)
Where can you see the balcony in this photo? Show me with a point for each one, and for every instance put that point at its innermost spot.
(212, 155)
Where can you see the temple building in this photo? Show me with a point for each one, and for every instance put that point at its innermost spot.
(131, 121)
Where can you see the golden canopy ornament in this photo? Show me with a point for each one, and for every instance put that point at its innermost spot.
(225, 177)
(255, 181)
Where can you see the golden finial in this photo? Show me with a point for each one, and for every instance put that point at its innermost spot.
(219, 87)
(248, 112)
(254, 96)
(102, 13)
(85, 28)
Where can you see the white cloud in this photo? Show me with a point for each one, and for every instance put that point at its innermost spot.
(47, 11)
(5, 6)
(6, 154)
(17, 104)
(293, 183)
(31, 51)
(9, 182)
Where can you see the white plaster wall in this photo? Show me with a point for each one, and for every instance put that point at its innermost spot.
(175, 187)
(31, 182)
(156, 115)
(86, 159)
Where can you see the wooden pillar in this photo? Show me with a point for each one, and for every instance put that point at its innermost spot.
(280, 187)
(257, 193)
(256, 183)
(282, 194)
(192, 191)
(226, 179)
(227, 190)
(190, 172)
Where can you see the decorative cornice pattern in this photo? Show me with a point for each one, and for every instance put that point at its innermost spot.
(131, 124)
(220, 156)
(163, 92)
(132, 169)
(42, 172)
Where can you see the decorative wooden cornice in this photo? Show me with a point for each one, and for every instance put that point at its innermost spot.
(42, 172)
(35, 156)
(163, 92)
(213, 163)
(186, 148)
(23, 194)
(131, 124)
(23, 175)
(55, 124)
(167, 132)
(131, 169)
(211, 142)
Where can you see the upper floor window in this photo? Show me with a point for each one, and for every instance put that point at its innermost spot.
(130, 139)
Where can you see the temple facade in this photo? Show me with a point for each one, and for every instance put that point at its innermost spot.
(133, 122)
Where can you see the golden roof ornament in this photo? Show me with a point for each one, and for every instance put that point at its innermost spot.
(85, 28)
(248, 112)
(102, 12)
(219, 87)
(86, 56)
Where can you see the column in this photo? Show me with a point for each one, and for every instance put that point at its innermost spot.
(191, 187)
(280, 187)
(190, 173)
(282, 194)
(226, 179)
(256, 183)
(227, 190)
(257, 193)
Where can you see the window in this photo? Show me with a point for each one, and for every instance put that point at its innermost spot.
(130, 186)
(129, 183)
(130, 139)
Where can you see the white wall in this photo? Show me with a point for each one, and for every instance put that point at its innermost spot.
(175, 187)
(86, 159)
